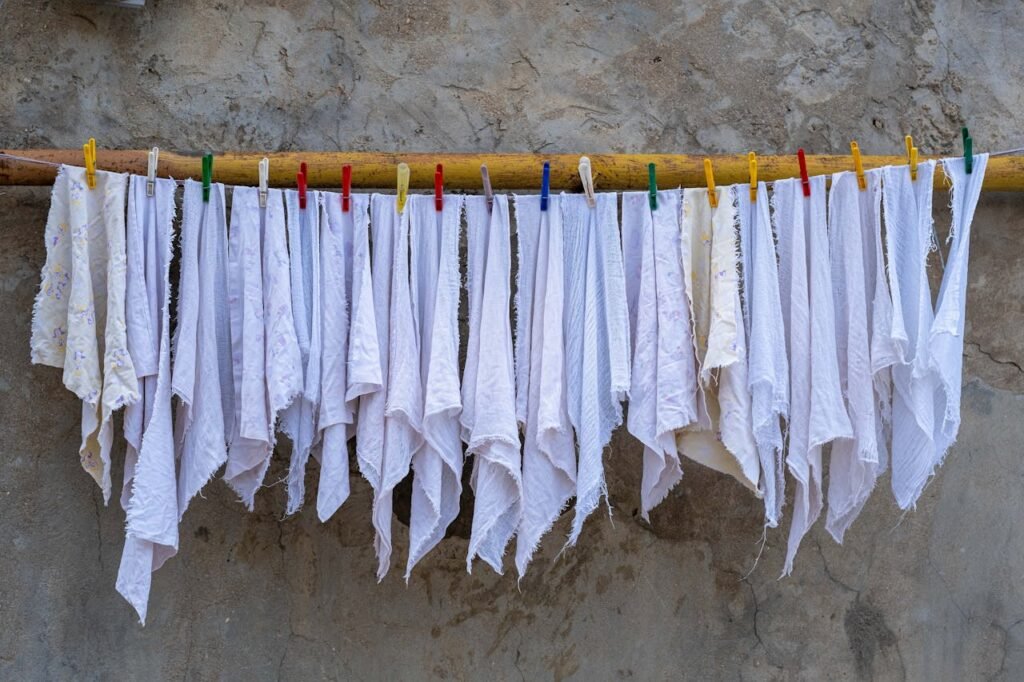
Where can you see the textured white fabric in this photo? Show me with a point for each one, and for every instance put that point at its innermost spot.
(489, 399)
(908, 231)
(299, 420)
(549, 452)
(596, 326)
(351, 358)
(721, 438)
(78, 322)
(817, 414)
(663, 394)
(203, 378)
(767, 364)
(150, 491)
(437, 462)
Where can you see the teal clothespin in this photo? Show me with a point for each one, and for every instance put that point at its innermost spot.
(652, 187)
(968, 151)
(207, 176)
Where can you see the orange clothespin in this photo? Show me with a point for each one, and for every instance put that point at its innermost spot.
(710, 175)
(858, 166)
(752, 159)
(911, 157)
(89, 149)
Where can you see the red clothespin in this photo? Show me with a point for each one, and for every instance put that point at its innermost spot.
(438, 187)
(346, 187)
(804, 180)
(301, 178)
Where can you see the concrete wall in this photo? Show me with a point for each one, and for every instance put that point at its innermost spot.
(937, 594)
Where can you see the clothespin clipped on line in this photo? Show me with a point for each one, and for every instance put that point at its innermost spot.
(805, 182)
(403, 187)
(264, 174)
(300, 179)
(652, 187)
(439, 188)
(545, 186)
(89, 150)
(153, 159)
(709, 174)
(752, 160)
(488, 191)
(587, 178)
(207, 176)
(346, 188)
(968, 151)
(858, 166)
(911, 157)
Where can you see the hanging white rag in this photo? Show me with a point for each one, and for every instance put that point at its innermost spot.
(767, 364)
(388, 429)
(908, 230)
(817, 413)
(597, 339)
(721, 438)
(663, 395)
(489, 399)
(855, 464)
(351, 357)
(436, 281)
(947, 333)
(549, 452)
(78, 321)
(299, 420)
(203, 377)
(150, 494)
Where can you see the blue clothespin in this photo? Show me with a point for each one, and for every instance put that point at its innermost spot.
(652, 187)
(207, 176)
(968, 152)
(545, 186)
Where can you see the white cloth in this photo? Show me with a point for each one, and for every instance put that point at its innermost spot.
(203, 377)
(299, 420)
(150, 493)
(855, 464)
(721, 438)
(663, 394)
(78, 321)
(817, 414)
(908, 223)
(489, 394)
(351, 358)
(549, 452)
(596, 327)
(767, 364)
(437, 462)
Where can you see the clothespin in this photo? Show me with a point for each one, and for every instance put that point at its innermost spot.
(752, 160)
(587, 178)
(911, 157)
(89, 150)
(968, 151)
(488, 192)
(207, 176)
(652, 187)
(301, 181)
(346, 188)
(439, 187)
(154, 156)
(804, 180)
(858, 166)
(403, 186)
(545, 186)
(710, 175)
(264, 173)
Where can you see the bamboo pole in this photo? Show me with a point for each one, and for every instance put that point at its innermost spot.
(376, 170)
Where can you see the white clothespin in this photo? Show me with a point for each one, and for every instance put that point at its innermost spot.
(264, 177)
(588, 181)
(154, 156)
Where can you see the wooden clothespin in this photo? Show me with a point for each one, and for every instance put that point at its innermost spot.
(911, 157)
(264, 175)
(587, 178)
(805, 181)
(858, 166)
(545, 186)
(439, 188)
(652, 187)
(207, 176)
(89, 150)
(154, 156)
(301, 181)
(402, 194)
(752, 161)
(709, 174)
(968, 151)
(346, 188)
(488, 191)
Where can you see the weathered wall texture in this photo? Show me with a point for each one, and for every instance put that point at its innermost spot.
(937, 595)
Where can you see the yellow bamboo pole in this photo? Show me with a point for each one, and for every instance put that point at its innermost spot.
(377, 170)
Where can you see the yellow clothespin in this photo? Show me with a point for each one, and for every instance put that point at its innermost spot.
(587, 178)
(858, 165)
(710, 175)
(912, 157)
(154, 157)
(752, 157)
(89, 149)
(403, 186)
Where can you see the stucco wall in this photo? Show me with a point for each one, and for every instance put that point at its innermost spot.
(936, 594)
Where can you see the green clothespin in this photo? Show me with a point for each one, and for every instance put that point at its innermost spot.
(207, 176)
(652, 187)
(968, 151)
